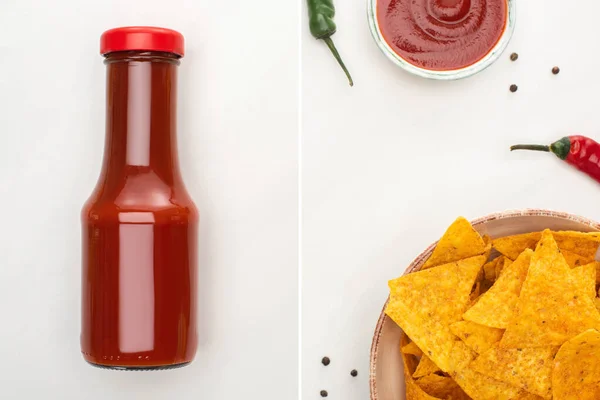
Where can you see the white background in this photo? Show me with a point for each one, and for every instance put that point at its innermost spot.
(385, 167)
(389, 164)
(238, 145)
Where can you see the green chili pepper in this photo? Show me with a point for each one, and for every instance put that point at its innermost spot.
(322, 26)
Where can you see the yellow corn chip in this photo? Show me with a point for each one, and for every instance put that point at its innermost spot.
(501, 266)
(478, 337)
(575, 260)
(461, 356)
(425, 303)
(413, 391)
(474, 300)
(482, 387)
(585, 279)
(583, 244)
(596, 265)
(425, 367)
(528, 368)
(496, 307)
(576, 374)
(487, 250)
(512, 246)
(475, 293)
(460, 241)
(495, 329)
(551, 308)
(410, 361)
(489, 269)
(442, 387)
(476, 385)
(411, 348)
(523, 395)
(486, 239)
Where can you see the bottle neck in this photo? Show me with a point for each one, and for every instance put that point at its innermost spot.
(141, 107)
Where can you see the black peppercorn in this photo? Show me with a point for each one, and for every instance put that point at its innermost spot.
(514, 57)
(354, 372)
(325, 361)
(555, 70)
(514, 88)
(324, 393)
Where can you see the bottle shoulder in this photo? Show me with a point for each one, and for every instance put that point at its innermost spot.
(138, 198)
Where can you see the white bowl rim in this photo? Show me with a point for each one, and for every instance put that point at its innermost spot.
(461, 73)
(420, 259)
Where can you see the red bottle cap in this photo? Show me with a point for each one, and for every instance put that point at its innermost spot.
(142, 38)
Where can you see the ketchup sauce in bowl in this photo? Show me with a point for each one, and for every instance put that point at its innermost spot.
(442, 39)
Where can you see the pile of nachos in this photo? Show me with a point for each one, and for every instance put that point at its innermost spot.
(504, 319)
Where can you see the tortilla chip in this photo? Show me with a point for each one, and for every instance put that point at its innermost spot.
(489, 269)
(411, 348)
(413, 391)
(527, 396)
(513, 246)
(496, 307)
(493, 269)
(501, 266)
(478, 337)
(528, 368)
(482, 387)
(425, 303)
(551, 308)
(575, 260)
(597, 303)
(585, 279)
(583, 244)
(576, 374)
(487, 250)
(596, 265)
(475, 293)
(425, 367)
(460, 241)
(474, 300)
(486, 239)
(442, 387)
(476, 385)
(410, 363)
(461, 356)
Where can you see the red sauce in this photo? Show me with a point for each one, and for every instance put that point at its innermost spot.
(140, 226)
(442, 35)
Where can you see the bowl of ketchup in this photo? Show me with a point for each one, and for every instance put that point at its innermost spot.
(442, 39)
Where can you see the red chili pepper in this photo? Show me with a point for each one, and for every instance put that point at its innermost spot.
(580, 151)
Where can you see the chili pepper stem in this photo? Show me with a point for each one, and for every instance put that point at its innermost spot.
(338, 58)
(534, 147)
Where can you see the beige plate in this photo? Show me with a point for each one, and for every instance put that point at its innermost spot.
(386, 375)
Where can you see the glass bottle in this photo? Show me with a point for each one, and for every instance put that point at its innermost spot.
(139, 227)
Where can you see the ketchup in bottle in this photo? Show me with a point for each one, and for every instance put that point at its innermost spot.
(140, 224)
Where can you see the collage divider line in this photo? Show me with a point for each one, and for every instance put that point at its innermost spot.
(300, 186)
